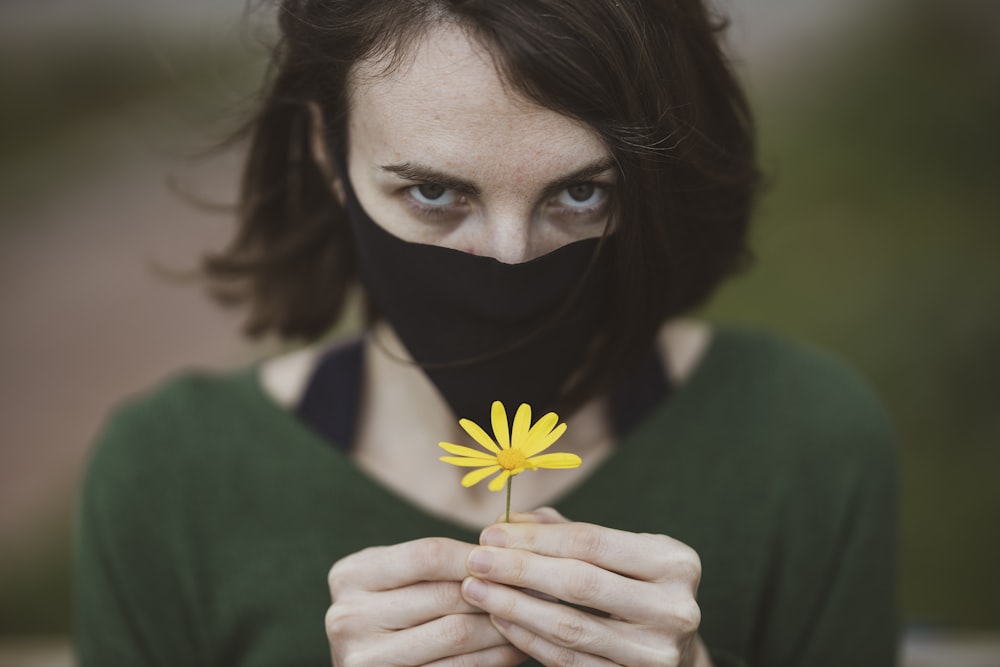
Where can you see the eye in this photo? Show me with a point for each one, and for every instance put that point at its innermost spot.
(582, 196)
(433, 194)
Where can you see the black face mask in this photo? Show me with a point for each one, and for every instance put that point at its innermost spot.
(483, 330)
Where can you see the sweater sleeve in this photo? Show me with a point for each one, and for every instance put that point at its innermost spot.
(832, 593)
(135, 601)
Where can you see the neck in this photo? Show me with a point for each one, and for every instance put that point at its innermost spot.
(403, 417)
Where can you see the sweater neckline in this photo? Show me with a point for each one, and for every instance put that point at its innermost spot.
(663, 418)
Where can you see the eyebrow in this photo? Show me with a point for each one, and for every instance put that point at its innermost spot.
(420, 173)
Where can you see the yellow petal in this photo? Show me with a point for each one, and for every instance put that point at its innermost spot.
(560, 460)
(477, 476)
(459, 450)
(543, 425)
(540, 429)
(467, 463)
(544, 440)
(499, 481)
(479, 435)
(501, 431)
(522, 420)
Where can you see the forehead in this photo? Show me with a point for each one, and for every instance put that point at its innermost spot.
(445, 102)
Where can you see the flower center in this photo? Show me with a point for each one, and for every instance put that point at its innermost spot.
(511, 459)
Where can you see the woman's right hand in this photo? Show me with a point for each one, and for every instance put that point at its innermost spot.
(402, 605)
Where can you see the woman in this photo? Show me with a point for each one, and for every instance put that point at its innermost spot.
(531, 195)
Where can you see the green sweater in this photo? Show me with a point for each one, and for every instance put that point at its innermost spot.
(211, 516)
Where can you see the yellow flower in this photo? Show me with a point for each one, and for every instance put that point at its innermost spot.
(513, 451)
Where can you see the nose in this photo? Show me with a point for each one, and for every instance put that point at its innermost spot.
(509, 238)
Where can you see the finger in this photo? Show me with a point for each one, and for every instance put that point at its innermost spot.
(635, 555)
(540, 515)
(497, 656)
(414, 605)
(568, 579)
(557, 623)
(545, 651)
(448, 636)
(389, 567)
(564, 626)
(549, 515)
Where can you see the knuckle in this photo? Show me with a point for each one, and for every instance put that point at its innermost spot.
(518, 571)
(570, 632)
(681, 617)
(335, 578)
(691, 565)
(527, 537)
(664, 552)
(508, 607)
(445, 594)
(430, 551)
(342, 573)
(588, 589)
(565, 657)
(336, 621)
(531, 644)
(688, 617)
(675, 560)
(456, 629)
(661, 616)
(362, 658)
(669, 655)
(587, 543)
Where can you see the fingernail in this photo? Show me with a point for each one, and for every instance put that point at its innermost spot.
(480, 561)
(475, 589)
(493, 536)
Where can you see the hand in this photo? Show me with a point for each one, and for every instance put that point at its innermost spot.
(640, 587)
(402, 605)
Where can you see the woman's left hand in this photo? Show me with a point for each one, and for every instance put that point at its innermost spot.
(640, 589)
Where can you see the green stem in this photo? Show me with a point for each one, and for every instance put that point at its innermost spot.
(509, 480)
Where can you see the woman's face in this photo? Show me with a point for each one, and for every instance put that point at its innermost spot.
(441, 152)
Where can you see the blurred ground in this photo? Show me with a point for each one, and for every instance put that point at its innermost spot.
(879, 239)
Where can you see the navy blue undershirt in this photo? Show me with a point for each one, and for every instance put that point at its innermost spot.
(330, 403)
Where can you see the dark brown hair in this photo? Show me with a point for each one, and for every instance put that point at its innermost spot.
(649, 76)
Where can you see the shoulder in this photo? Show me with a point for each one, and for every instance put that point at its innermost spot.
(153, 473)
(806, 407)
(769, 370)
(187, 399)
(814, 475)
(169, 431)
(829, 492)
(820, 426)
(796, 381)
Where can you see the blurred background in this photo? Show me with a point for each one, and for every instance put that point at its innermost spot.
(879, 238)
